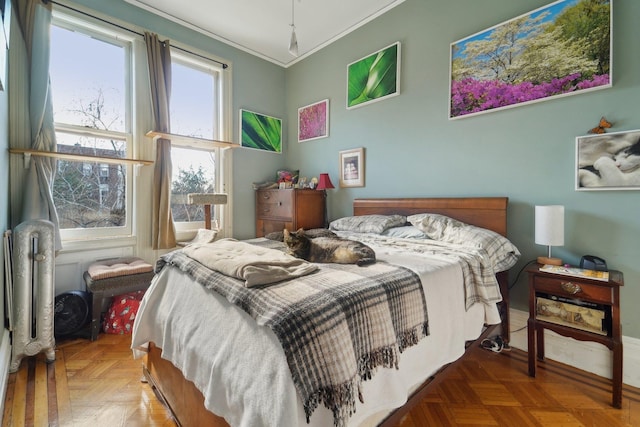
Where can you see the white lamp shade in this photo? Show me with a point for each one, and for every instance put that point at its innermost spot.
(550, 225)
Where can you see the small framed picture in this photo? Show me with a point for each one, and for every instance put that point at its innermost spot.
(608, 161)
(352, 168)
(313, 121)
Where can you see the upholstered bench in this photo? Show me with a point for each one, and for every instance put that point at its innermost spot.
(110, 277)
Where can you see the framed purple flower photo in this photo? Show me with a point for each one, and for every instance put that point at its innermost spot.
(557, 50)
(313, 121)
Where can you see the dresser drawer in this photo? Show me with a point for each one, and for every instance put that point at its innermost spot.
(574, 288)
(264, 227)
(274, 204)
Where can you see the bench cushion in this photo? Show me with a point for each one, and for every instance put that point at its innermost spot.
(117, 267)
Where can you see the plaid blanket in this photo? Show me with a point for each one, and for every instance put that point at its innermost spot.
(337, 326)
(480, 283)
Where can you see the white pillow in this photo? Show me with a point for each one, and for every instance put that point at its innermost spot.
(501, 251)
(435, 226)
(202, 236)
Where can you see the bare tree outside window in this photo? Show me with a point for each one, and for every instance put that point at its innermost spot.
(88, 194)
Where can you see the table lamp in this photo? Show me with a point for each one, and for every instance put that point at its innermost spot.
(324, 182)
(549, 224)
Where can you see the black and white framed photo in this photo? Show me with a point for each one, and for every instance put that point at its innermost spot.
(608, 161)
(352, 168)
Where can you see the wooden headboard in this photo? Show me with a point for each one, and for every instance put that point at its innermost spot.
(485, 212)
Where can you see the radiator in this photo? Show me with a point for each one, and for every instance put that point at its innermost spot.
(33, 291)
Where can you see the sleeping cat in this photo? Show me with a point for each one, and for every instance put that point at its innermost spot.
(328, 249)
(620, 171)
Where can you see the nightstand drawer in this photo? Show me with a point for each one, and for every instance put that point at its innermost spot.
(574, 288)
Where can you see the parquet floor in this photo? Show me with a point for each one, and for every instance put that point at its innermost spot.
(97, 384)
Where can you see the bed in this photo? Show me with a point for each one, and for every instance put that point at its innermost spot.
(239, 365)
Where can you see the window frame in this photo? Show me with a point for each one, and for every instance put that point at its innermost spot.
(138, 122)
(187, 229)
(106, 33)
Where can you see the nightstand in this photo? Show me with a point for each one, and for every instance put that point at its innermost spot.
(291, 209)
(577, 307)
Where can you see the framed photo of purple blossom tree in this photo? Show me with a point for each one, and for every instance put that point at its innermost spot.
(313, 121)
(560, 49)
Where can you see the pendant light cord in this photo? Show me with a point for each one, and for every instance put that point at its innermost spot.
(293, 14)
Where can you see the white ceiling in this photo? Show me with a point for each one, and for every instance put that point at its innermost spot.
(263, 28)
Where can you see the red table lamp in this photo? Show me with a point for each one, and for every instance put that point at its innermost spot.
(324, 182)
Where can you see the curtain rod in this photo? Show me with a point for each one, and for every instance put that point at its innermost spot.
(224, 65)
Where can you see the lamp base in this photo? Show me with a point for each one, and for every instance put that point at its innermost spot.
(549, 261)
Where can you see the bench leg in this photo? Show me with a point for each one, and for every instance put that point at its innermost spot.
(96, 311)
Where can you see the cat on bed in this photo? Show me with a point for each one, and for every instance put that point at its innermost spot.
(620, 171)
(328, 249)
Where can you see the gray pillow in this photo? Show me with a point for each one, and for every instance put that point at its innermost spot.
(310, 233)
(368, 223)
(405, 232)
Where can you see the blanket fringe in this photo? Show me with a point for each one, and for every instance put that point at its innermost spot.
(412, 336)
(341, 399)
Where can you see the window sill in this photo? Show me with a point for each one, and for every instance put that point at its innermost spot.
(191, 141)
(69, 246)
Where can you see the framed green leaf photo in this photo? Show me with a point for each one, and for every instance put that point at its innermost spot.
(374, 77)
(260, 131)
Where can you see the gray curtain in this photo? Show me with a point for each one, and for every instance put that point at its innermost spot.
(159, 59)
(31, 110)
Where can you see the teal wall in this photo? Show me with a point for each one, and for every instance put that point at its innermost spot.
(526, 153)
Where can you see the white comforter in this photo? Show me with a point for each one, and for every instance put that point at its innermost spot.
(253, 264)
(240, 366)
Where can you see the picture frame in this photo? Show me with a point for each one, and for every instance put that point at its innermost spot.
(608, 161)
(351, 166)
(260, 132)
(313, 121)
(532, 58)
(374, 78)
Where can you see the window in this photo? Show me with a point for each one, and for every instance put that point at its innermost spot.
(90, 75)
(196, 96)
(95, 69)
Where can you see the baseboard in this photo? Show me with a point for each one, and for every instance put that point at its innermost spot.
(5, 360)
(588, 356)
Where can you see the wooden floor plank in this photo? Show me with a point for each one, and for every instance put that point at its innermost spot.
(19, 410)
(96, 384)
(41, 406)
(63, 400)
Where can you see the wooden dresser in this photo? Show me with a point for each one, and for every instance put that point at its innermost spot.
(291, 209)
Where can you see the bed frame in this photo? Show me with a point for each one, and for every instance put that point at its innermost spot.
(185, 401)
